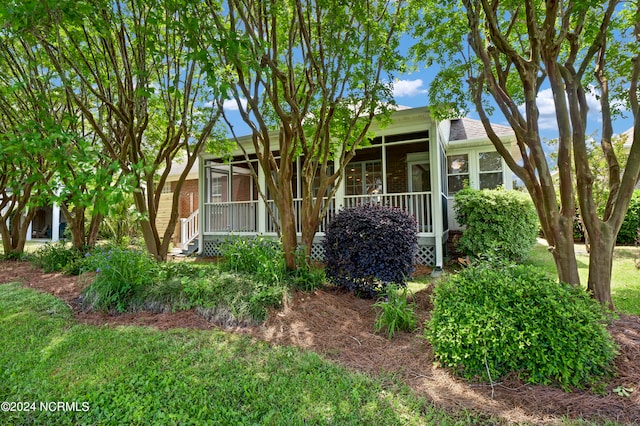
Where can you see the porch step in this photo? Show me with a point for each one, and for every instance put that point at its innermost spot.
(191, 248)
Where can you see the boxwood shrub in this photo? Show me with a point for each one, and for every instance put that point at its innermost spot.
(489, 321)
(497, 221)
(370, 246)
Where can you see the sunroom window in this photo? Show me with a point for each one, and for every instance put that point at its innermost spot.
(457, 172)
(490, 172)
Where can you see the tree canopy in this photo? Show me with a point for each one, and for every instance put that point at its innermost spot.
(507, 52)
(308, 78)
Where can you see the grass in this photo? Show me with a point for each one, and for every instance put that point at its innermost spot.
(625, 280)
(30, 246)
(137, 375)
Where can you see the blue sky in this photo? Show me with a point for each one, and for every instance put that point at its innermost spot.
(411, 90)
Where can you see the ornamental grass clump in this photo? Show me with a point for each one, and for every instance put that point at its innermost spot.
(370, 246)
(492, 320)
(395, 312)
(120, 273)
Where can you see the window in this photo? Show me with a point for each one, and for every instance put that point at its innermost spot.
(216, 189)
(457, 172)
(490, 170)
(364, 178)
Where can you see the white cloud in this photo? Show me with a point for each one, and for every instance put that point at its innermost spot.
(547, 109)
(232, 105)
(406, 88)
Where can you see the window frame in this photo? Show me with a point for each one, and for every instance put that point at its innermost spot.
(474, 172)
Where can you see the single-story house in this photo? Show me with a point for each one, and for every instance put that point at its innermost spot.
(415, 163)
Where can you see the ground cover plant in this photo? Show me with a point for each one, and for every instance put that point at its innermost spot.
(370, 246)
(118, 274)
(137, 375)
(263, 259)
(490, 320)
(240, 290)
(395, 312)
(52, 257)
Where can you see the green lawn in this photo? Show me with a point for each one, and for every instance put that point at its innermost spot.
(137, 375)
(625, 282)
(29, 247)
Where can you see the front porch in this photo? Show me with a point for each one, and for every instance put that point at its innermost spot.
(403, 169)
(223, 219)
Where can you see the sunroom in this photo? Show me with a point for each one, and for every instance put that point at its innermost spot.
(404, 166)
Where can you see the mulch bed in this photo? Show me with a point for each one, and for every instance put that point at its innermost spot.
(340, 327)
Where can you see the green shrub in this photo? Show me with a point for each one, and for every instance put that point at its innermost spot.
(489, 321)
(370, 246)
(628, 233)
(56, 257)
(497, 221)
(261, 257)
(395, 312)
(228, 298)
(119, 274)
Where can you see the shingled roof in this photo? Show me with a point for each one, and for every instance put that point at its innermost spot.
(629, 136)
(468, 129)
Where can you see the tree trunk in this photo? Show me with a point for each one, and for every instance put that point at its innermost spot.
(14, 236)
(288, 226)
(310, 222)
(600, 265)
(76, 224)
(564, 253)
(94, 227)
(149, 232)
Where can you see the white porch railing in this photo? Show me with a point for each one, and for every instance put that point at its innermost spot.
(241, 216)
(416, 203)
(188, 229)
(297, 206)
(231, 216)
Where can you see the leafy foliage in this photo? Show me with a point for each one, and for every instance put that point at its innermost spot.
(496, 221)
(57, 257)
(370, 246)
(395, 312)
(628, 233)
(261, 257)
(120, 273)
(491, 320)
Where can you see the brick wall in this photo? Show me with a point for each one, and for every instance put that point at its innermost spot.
(188, 197)
(397, 180)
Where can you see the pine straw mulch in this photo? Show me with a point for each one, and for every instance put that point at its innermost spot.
(340, 327)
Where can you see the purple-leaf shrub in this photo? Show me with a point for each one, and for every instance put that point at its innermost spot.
(370, 246)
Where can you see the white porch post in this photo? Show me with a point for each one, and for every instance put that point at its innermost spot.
(29, 231)
(202, 183)
(438, 228)
(55, 222)
(383, 147)
(262, 203)
(338, 197)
